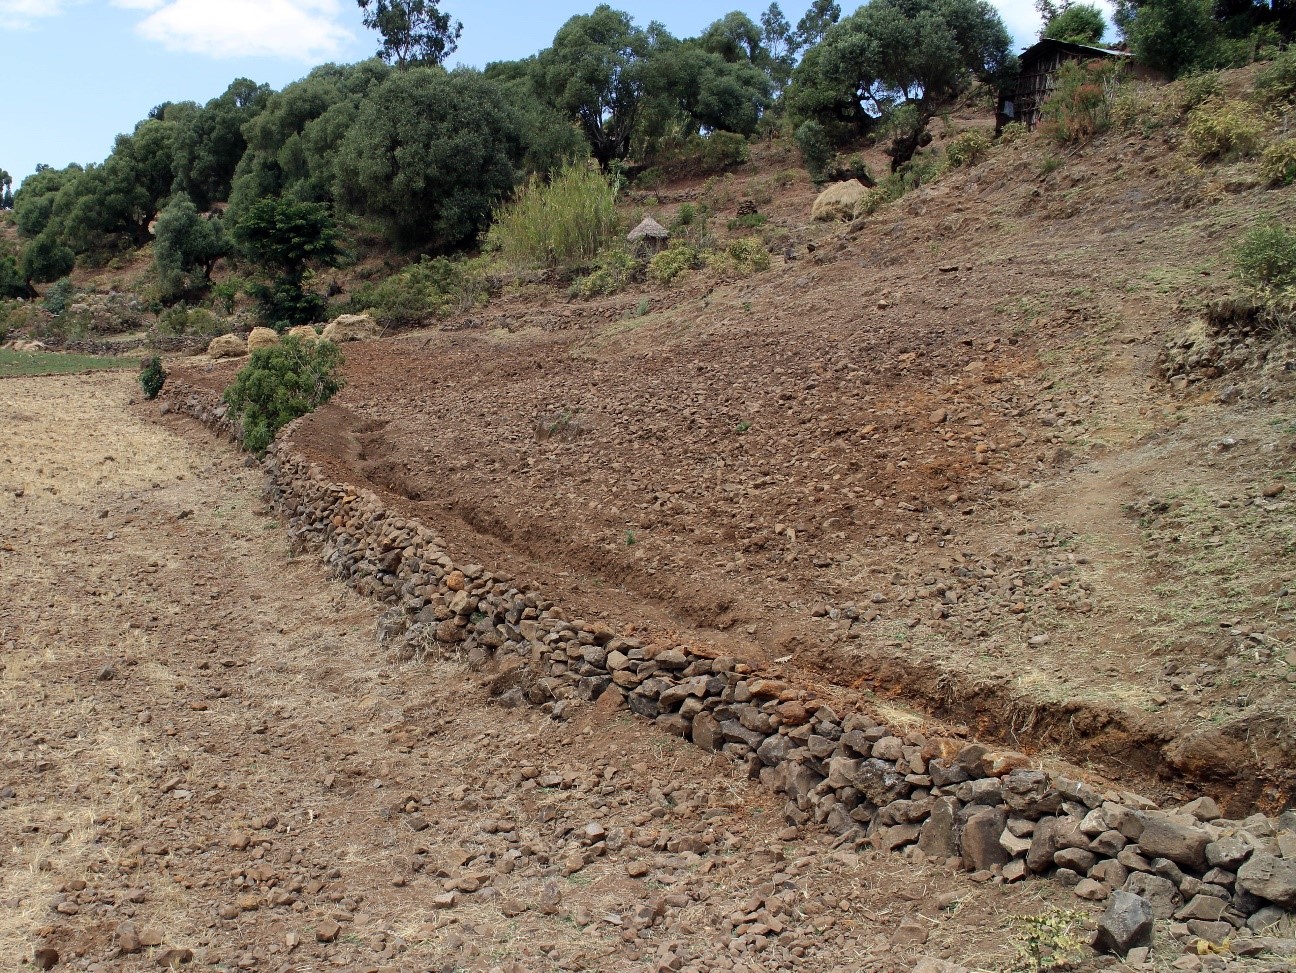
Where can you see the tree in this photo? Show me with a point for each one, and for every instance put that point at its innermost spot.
(595, 73)
(1171, 36)
(690, 87)
(292, 141)
(429, 155)
(1078, 23)
(286, 237)
(186, 248)
(6, 190)
(893, 55)
(814, 23)
(44, 259)
(781, 46)
(209, 143)
(413, 31)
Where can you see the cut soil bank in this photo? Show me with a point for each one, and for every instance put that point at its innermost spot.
(934, 460)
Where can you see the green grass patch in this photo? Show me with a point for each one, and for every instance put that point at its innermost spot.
(20, 364)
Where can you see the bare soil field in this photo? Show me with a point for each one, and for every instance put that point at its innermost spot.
(933, 457)
(206, 759)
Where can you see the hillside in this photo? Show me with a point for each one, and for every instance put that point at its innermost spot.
(932, 456)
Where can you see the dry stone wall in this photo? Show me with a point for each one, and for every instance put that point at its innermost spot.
(989, 811)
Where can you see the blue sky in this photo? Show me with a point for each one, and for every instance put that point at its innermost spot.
(75, 73)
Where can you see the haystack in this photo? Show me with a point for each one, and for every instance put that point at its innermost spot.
(304, 332)
(838, 201)
(351, 327)
(262, 338)
(227, 346)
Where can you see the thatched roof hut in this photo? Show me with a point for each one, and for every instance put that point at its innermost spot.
(650, 232)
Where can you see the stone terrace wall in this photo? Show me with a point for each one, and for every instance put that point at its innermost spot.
(985, 810)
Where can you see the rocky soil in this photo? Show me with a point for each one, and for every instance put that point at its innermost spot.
(208, 760)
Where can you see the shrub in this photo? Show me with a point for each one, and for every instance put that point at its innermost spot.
(1197, 89)
(1012, 132)
(152, 377)
(1278, 163)
(1276, 82)
(59, 296)
(563, 223)
(1080, 106)
(674, 261)
(967, 149)
(419, 293)
(740, 258)
(1224, 130)
(816, 149)
(1266, 257)
(196, 321)
(280, 384)
(748, 221)
(614, 269)
(724, 150)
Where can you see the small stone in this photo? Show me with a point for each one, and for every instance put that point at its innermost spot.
(912, 932)
(1091, 890)
(327, 931)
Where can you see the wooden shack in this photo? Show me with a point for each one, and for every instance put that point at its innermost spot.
(1039, 65)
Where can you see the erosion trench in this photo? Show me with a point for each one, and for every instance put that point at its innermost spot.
(1242, 766)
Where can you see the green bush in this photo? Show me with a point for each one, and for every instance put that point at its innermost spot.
(1197, 89)
(59, 296)
(1012, 132)
(614, 269)
(967, 149)
(1224, 130)
(195, 321)
(426, 290)
(748, 221)
(724, 150)
(152, 377)
(1278, 163)
(740, 258)
(674, 261)
(1266, 257)
(1276, 82)
(280, 384)
(563, 223)
(1173, 36)
(1080, 106)
(816, 149)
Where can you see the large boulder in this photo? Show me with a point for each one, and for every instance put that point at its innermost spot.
(838, 201)
(262, 338)
(227, 346)
(1127, 923)
(1167, 837)
(1270, 878)
(351, 327)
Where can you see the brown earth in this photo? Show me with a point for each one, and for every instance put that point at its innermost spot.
(207, 756)
(916, 458)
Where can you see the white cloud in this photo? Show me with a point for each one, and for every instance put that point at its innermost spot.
(20, 13)
(304, 30)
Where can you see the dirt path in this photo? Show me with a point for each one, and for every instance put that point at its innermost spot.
(204, 751)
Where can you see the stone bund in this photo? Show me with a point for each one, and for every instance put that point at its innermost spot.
(989, 811)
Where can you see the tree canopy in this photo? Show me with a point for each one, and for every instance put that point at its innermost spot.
(413, 31)
(429, 156)
(1079, 23)
(896, 53)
